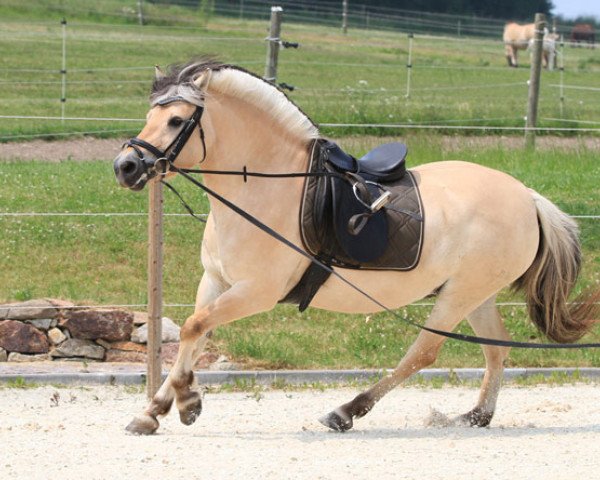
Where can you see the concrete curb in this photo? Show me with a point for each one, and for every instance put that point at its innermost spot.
(293, 377)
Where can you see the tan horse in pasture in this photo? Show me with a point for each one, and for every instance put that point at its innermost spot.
(484, 231)
(520, 37)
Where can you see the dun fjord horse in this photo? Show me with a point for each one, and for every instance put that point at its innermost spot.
(484, 230)
(520, 37)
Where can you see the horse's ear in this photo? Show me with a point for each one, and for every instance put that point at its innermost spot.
(202, 80)
(158, 73)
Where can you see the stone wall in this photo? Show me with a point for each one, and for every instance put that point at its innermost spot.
(48, 329)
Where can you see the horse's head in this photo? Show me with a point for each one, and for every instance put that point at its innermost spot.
(173, 132)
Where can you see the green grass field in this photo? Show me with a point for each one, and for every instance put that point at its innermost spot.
(358, 78)
(102, 260)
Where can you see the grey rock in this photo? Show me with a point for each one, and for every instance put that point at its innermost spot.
(223, 364)
(29, 310)
(76, 347)
(3, 355)
(56, 336)
(170, 332)
(21, 358)
(139, 318)
(104, 344)
(42, 323)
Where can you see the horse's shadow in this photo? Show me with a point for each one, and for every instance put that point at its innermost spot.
(310, 435)
(456, 433)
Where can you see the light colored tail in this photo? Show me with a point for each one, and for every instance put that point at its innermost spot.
(552, 275)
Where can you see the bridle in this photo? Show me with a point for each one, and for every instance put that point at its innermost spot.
(164, 159)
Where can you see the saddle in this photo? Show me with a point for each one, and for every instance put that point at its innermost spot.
(361, 213)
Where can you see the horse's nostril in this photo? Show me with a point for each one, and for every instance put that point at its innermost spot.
(128, 167)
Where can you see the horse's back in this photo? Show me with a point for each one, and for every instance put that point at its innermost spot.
(518, 34)
(461, 196)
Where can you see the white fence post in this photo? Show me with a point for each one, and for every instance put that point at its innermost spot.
(63, 71)
(140, 12)
(345, 16)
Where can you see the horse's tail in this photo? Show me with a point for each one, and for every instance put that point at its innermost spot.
(552, 275)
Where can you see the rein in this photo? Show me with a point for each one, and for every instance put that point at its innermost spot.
(163, 164)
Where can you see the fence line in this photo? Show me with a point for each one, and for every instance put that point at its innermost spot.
(145, 214)
(192, 305)
(575, 87)
(92, 119)
(65, 134)
(383, 90)
(457, 127)
(589, 122)
(346, 125)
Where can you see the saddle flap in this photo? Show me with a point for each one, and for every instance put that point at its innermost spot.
(372, 240)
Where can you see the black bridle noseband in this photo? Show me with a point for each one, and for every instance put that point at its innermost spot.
(164, 159)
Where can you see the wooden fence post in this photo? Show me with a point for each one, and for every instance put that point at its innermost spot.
(345, 16)
(534, 80)
(409, 64)
(273, 44)
(561, 76)
(155, 267)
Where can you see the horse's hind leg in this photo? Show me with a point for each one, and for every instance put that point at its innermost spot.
(487, 322)
(448, 311)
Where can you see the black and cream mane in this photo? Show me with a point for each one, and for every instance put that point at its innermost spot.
(235, 81)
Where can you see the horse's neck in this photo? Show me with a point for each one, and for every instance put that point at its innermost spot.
(240, 135)
(247, 136)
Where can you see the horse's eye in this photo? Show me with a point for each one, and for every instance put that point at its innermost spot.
(175, 122)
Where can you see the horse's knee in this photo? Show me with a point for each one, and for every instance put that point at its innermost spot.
(192, 329)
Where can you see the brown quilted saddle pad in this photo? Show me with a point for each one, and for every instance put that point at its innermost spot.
(391, 239)
(338, 225)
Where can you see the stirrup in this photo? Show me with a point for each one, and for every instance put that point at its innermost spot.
(378, 203)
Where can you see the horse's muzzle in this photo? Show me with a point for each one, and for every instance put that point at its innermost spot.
(131, 170)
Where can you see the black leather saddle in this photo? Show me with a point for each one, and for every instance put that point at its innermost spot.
(384, 163)
(362, 213)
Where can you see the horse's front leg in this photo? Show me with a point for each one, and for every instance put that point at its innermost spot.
(241, 300)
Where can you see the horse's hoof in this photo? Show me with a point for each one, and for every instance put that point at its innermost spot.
(475, 418)
(143, 425)
(192, 409)
(337, 421)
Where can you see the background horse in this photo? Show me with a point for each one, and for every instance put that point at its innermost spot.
(583, 32)
(548, 47)
(519, 37)
(484, 230)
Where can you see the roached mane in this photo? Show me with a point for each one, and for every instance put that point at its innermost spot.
(237, 82)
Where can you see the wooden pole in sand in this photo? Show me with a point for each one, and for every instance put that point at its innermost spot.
(155, 267)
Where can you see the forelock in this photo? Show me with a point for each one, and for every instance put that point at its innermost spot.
(179, 81)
